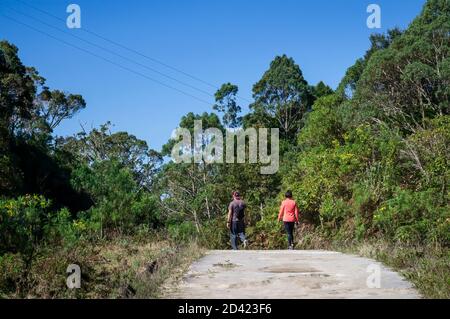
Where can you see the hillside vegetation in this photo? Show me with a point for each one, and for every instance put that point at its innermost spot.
(368, 163)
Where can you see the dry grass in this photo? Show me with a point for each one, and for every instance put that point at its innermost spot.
(428, 268)
(123, 268)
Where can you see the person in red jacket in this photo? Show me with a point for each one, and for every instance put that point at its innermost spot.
(289, 215)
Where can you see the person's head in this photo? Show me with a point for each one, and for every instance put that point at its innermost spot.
(236, 195)
(288, 194)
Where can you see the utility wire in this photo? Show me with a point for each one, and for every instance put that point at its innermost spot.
(111, 52)
(105, 59)
(130, 49)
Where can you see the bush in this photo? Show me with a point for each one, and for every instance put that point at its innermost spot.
(145, 211)
(65, 230)
(414, 217)
(333, 212)
(214, 234)
(120, 204)
(22, 223)
(268, 233)
(11, 270)
(183, 232)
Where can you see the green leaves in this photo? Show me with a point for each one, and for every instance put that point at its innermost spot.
(282, 95)
(226, 103)
(29, 111)
(22, 223)
(323, 123)
(413, 217)
(374, 156)
(321, 90)
(119, 203)
(56, 106)
(404, 82)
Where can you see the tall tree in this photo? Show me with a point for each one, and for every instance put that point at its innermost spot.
(409, 81)
(17, 91)
(321, 90)
(226, 104)
(56, 106)
(378, 41)
(190, 190)
(29, 112)
(282, 95)
(103, 145)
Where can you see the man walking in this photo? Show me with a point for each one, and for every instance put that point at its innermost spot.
(235, 222)
(289, 215)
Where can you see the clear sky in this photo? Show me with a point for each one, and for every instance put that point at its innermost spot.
(215, 41)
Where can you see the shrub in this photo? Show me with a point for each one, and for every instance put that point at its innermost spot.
(414, 217)
(22, 223)
(182, 232)
(22, 229)
(120, 204)
(214, 234)
(63, 229)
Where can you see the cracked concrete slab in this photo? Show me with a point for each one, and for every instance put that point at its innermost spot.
(289, 275)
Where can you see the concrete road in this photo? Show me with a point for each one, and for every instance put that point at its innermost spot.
(289, 275)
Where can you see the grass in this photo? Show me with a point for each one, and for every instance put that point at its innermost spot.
(426, 267)
(148, 267)
(123, 268)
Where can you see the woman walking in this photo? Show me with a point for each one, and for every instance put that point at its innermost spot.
(289, 215)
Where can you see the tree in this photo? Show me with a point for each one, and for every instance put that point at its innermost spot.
(378, 42)
(372, 158)
(120, 204)
(283, 95)
(323, 123)
(190, 190)
(56, 106)
(16, 102)
(226, 103)
(408, 82)
(321, 90)
(102, 145)
(29, 112)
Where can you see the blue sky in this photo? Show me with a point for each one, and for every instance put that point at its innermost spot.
(216, 41)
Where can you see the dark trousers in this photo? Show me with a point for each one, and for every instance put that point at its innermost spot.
(289, 228)
(237, 229)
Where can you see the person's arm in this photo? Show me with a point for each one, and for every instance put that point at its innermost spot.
(229, 217)
(280, 215)
(296, 213)
(245, 208)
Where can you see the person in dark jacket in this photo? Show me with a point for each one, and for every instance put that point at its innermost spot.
(235, 222)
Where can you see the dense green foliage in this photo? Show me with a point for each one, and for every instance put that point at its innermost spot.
(369, 161)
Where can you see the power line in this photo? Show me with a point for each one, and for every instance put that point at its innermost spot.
(106, 60)
(112, 52)
(130, 49)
